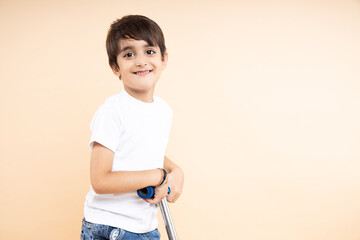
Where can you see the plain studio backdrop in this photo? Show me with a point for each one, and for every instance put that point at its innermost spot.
(266, 114)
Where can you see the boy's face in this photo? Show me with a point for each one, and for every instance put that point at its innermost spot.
(140, 65)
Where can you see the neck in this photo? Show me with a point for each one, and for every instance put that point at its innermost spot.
(144, 96)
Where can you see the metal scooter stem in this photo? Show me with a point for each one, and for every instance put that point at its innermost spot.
(149, 192)
(165, 212)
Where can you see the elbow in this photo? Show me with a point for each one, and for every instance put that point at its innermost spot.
(97, 186)
(97, 190)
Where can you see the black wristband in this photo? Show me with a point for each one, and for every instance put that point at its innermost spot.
(164, 181)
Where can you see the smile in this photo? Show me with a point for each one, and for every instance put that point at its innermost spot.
(142, 73)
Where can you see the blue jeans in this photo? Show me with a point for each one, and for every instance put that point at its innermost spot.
(93, 231)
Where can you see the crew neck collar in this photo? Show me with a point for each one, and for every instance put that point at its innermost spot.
(137, 101)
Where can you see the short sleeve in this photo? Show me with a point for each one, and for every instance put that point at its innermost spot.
(106, 128)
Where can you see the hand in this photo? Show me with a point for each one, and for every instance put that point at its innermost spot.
(176, 182)
(160, 193)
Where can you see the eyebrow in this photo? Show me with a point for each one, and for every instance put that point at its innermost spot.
(126, 48)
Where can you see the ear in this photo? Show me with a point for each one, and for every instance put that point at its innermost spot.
(116, 71)
(165, 60)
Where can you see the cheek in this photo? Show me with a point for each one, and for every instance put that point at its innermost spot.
(124, 69)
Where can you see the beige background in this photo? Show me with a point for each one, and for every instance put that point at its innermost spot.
(266, 114)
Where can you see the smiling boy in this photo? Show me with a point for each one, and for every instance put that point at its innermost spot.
(130, 132)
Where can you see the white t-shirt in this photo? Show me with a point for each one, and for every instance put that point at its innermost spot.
(137, 133)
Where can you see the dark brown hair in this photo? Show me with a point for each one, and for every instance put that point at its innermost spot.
(135, 27)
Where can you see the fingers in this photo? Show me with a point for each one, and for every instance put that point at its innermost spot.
(176, 181)
(173, 196)
(160, 193)
(152, 200)
(172, 200)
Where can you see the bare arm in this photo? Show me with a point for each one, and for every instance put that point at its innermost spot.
(104, 181)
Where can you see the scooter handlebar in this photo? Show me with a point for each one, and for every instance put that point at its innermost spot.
(148, 192)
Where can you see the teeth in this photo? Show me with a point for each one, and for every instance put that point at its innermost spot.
(143, 72)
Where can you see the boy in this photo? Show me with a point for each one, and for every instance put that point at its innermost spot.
(130, 132)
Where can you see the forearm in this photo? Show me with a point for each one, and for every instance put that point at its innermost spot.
(169, 165)
(125, 181)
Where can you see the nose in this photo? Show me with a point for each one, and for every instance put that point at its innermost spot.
(140, 60)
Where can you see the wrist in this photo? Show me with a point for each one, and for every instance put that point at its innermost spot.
(164, 177)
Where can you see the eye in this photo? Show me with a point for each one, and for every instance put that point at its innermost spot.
(128, 55)
(150, 52)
